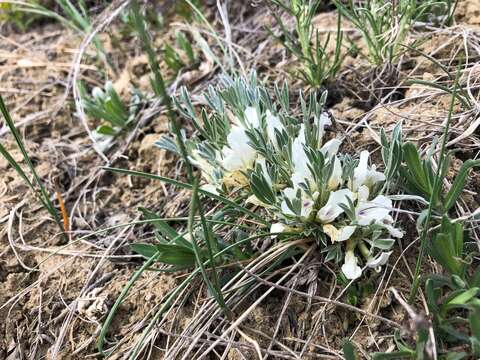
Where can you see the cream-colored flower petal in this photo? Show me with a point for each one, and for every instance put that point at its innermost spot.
(394, 231)
(231, 161)
(251, 117)
(239, 155)
(273, 125)
(336, 177)
(363, 193)
(210, 188)
(330, 148)
(252, 199)
(332, 208)
(235, 179)
(374, 211)
(346, 232)
(350, 268)
(301, 172)
(277, 228)
(360, 172)
(299, 158)
(380, 260)
(362, 175)
(307, 207)
(321, 122)
(339, 235)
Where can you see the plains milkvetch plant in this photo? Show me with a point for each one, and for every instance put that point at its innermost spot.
(249, 144)
(385, 25)
(318, 67)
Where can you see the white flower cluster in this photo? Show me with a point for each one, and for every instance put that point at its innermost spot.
(356, 191)
(235, 157)
(313, 186)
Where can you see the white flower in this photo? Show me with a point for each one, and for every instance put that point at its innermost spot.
(251, 117)
(274, 125)
(210, 188)
(376, 211)
(301, 172)
(387, 224)
(336, 177)
(350, 268)
(363, 193)
(321, 122)
(306, 203)
(98, 93)
(277, 228)
(239, 155)
(330, 148)
(380, 260)
(332, 208)
(363, 175)
(341, 234)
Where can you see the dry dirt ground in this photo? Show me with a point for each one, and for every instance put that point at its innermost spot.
(54, 295)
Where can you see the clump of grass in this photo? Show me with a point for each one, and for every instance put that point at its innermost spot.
(36, 185)
(75, 16)
(317, 67)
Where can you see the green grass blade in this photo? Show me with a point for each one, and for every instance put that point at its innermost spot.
(188, 186)
(159, 84)
(214, 288)
(43, 196)
(436, 188)
(465, 101)
(459, 183)
(118, 302)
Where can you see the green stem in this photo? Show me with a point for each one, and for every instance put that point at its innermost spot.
(433, 196)
(159, 83)
(214, 288)
(364, 250)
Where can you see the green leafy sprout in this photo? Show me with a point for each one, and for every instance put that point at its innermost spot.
(385, 25)
(106, 105)
(317, 66)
